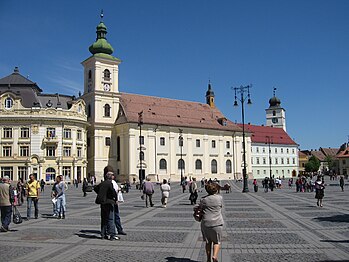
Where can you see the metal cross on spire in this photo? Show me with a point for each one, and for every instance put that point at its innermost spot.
(102, 14)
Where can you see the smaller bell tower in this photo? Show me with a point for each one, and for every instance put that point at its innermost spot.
(210, 96)
(275, 114)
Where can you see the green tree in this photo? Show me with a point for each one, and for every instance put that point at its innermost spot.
(330, 162)
(313, 165)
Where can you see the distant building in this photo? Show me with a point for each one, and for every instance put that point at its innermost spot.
(40, 134)
(343, 159)
(326, 156)
(273, 154)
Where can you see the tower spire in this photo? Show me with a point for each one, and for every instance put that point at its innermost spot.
(101, 45)
(210, 95)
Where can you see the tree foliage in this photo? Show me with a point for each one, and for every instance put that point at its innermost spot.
(313, 164)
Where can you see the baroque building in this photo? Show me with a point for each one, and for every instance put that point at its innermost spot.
(151, 136)
(42, 134)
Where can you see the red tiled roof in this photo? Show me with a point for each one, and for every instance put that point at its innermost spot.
(170, 112)
(261, 134)
(344, 153)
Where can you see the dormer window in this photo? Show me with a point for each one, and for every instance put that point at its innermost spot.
(106, 73)
(8, 103)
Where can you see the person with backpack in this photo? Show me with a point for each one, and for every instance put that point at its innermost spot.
(32, 189)
(60, 197)
(6, 202)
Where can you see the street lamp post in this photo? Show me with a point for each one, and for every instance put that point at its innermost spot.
(241, 90)
(140, 123)
(181, 147)
(269, 141)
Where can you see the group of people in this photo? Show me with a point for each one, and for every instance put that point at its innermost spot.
(12, 196)
(107, 197)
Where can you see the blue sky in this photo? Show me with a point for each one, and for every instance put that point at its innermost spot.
(172, 48)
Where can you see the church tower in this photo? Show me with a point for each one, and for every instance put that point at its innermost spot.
(101, 95)
(210, 96)
(275, 113)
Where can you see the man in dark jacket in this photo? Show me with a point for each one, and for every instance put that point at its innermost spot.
(106, 198)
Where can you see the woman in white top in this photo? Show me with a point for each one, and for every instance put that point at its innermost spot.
(165, 190)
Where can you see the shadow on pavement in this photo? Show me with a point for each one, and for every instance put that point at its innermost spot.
(175, 259)
(337, 218)
(90, 234)
(335, 241)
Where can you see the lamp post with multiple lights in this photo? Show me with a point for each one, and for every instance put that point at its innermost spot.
(180, 139)
(242, 90)
(269, 141)
(140, 123)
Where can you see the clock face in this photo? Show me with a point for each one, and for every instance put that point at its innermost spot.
(106, 87)
(275, 120)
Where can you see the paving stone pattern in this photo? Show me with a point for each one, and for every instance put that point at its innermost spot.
(276, 226)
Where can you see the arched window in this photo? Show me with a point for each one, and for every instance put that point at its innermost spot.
(8, 102)
(274, 113)
(198, 164)
(141, 155)
(181, 164)
(118, 148)
(50, 174)
(107, 110)
(89, 111)
(89, 75)
(228, 166)
(106, 73)
(214, 166)
(163, 164)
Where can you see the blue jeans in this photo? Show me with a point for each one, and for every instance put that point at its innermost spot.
(117, 219)
(60, 205)
(107, 220)
(6, 213)
(31, 200)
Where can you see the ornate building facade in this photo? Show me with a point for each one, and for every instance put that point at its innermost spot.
(40, 134)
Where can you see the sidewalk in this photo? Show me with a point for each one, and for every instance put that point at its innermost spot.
(276, 226)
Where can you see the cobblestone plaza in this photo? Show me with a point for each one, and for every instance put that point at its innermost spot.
(276, 226)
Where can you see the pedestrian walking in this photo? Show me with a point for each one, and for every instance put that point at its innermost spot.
(319, 191)
(117, 219)
(60, 197)
(106, 198)
(6, 202)
(148, 191)
(193, 190)
(54, 201)
(32, 188)
(84, 186)
(165, 192)
(42, 185)
(212, 221)
(341, 183)
(20, 191)
(266, 184)
(255, 185)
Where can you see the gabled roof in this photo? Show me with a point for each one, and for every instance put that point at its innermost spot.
(344, 153)
(302, 155)
(329, 151)
(170, 112)
(318, 154)
(261, 134)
